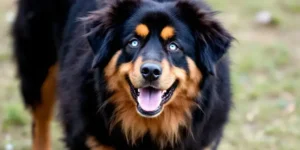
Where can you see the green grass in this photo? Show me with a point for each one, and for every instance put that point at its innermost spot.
(265, 78)
(14, 116)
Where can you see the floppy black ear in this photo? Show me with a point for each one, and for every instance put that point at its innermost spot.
(102, 46)
(213, 40)
(103, 28)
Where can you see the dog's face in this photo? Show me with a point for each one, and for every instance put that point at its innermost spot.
(154, 57)
(158, 46)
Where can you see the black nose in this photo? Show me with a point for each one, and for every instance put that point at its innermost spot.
(151, 71)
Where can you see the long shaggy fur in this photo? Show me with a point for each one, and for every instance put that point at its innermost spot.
(98, 70)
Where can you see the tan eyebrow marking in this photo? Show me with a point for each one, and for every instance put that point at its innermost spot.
(142, 30)
(167, 32)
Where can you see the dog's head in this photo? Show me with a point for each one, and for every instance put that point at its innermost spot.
(154, 56)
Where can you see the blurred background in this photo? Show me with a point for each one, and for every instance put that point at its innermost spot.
(265, 77)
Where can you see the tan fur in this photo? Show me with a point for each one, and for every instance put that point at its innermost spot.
(167, 32)
(142, 30)
(42, 114)
(167, 78)
(135, 75)
(211, 146)
(165, 81)
(164, 129)
(207, 148)
(93, 144)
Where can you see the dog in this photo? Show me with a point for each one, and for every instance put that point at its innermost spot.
(128, 74)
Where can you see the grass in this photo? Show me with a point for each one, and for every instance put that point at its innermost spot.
(14, 116)
(265, 79)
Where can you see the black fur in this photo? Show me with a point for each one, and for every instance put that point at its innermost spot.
(50, 31)
(37, 36)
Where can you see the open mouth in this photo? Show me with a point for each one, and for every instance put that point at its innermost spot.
(150, 100)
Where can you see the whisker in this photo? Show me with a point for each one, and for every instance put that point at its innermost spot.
(102, 106)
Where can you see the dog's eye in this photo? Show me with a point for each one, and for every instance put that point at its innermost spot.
(172, 47)
(134, 43)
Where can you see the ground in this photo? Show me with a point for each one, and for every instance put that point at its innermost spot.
(265, 75)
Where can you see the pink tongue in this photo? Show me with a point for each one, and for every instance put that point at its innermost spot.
(149, 99)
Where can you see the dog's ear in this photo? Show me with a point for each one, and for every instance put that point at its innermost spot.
(212, 39)
(103, 26)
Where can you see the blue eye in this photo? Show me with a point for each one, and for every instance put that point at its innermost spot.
(134, 43)
(172, 47)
